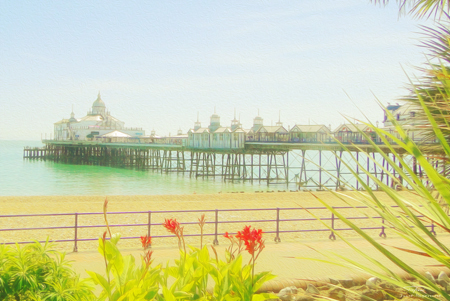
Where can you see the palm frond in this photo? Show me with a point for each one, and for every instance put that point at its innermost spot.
(420, 8)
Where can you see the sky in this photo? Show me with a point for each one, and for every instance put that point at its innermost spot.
(157, 64)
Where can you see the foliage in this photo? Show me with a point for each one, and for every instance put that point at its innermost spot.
(188, 278)
(425, 204)
(421, 8)
(35, 272)
(130, 281)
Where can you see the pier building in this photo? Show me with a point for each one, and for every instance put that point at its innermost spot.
(98, 123)
(352, 133)
(257, 124)
(310, 133)
(308, 155)
(215, 136)
(271, 134)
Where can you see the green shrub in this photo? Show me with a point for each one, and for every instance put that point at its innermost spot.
(35, 272)
(188, 278)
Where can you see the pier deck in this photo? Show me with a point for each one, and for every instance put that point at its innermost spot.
(308, 165)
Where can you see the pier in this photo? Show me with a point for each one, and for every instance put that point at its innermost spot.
(309, 156)
(306, 165)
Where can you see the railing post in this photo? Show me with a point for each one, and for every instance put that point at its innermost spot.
(332, 236)
(149, 225)
(382, 234)
(75, 247)
(277, 238)
(216, 223)
(432, 229)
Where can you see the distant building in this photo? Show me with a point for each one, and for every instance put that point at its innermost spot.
(257, 124)
(406, 116)
(215, 136)
(97, 124)
(271, 134)
(352, 133)
(310, 133)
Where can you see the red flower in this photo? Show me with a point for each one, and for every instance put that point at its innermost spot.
(252, 239)
(146, 241)
(172, 225)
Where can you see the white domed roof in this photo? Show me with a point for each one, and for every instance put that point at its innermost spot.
(98, 102)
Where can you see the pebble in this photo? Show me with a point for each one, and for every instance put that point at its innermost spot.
(373, 282)
(304, 297)
(443, 279)
(347, 283)
(334, 281)
(430, 277)
(312, 289)
(337, 293)
(288, 290)
(369, 294)
(287, 293)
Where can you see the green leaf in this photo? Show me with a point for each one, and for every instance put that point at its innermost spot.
(99, 279)
(182, 295)
(264, 296)
(168, 296)
(203, 255)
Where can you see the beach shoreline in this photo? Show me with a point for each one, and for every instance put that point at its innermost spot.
(94, 203)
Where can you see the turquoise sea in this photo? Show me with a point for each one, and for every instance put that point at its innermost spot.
(37, 177)
(20, 176)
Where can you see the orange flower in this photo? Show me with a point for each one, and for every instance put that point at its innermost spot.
(226, 235)
(172, 226)
(146, 241)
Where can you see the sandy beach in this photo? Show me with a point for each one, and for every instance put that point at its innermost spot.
(264, 219)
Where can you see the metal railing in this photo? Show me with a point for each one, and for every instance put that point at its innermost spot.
(216, 222)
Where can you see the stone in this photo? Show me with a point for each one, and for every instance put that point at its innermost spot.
(369, 294)
(394, 293)
(337, 293)
(311, 289)
(304, 297)
(347, 283)
(286, 297)
(388, 285)
(289, 290)
(287, 293)
(430, 277)
(443, 279)
(373, 282)
(430, 292)
(334, 281)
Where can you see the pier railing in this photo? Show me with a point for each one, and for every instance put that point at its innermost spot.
(150, 223)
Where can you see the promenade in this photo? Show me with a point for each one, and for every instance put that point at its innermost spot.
(278, 258)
